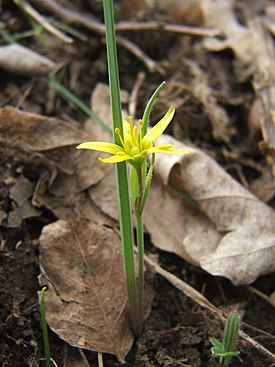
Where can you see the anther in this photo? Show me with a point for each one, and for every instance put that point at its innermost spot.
(117, 131)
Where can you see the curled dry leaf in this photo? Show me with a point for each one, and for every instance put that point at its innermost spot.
(46, 148)
(264, 86)
(86, 303)
(19, 60)
(199, 87)
(21, 193)
(220, 14)
(232, 234)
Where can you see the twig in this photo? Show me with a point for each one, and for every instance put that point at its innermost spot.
(167, 27)
(134, 93)
(41, 20)
(261, 295)
(84, 359)
(203, 302)
(91, 23)
(72, 31)
(100, 359)
(186, 289)
(135, 50)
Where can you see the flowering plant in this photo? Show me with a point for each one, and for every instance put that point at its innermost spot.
(133, 145)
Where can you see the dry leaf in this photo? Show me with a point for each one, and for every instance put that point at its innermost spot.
(199, 87)
(19, 60)
(220, 15)
(241, 245)
(264, 85)
(86, 302)
(46, 148)
(21, 192)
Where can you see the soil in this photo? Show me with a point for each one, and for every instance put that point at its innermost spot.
(177, 332)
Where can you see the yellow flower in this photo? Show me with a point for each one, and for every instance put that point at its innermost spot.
(135, 147)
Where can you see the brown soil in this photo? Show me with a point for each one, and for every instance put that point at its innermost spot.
(177, 332)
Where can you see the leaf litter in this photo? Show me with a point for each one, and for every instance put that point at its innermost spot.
(81, 262)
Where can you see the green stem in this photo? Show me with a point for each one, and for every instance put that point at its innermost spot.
(140, 245)
(44, 327)
(126, 227)
(140, 239)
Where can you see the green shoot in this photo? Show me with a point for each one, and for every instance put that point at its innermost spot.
(225, 350)
(45, 328)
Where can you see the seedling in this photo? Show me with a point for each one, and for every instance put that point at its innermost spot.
(132, 144)
(225, 350)
(44, 327)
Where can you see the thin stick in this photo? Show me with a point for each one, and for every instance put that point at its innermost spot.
(261, 295)
(203, 302)
(90, 22)
(167, 27)
(42, 21)
(134, 93)
(84, 359)
(135, 50)
(100, 359)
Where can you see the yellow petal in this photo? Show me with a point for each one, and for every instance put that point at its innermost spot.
(101, 147)
(116, 158)
(159, 128)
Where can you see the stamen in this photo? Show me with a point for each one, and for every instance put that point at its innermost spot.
(117, 132)
(135, 135)
(140, 121)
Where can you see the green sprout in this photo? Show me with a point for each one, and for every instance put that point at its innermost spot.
(44, 327)
(132, 144)
(225, 350)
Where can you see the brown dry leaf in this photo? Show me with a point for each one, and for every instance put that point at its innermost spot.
(239, 240)
(186, 12)
(220, 15)
(19, 60)
(46, 148)
(21, 193)
(199, 87)
(81, 262)
(270, 18)
(264, 85)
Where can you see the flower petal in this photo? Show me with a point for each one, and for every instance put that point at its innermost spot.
(101, 147)
(116, 158)
(159, 128)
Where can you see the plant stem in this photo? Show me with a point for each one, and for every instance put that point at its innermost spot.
(44, 327)
(140, 245)
(126, 227)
